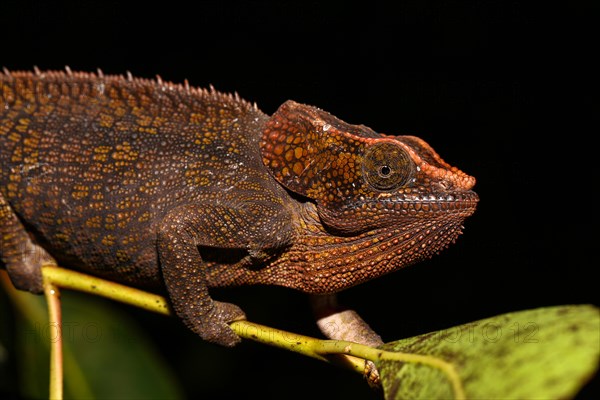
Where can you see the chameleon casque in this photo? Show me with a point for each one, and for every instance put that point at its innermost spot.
(156, 184)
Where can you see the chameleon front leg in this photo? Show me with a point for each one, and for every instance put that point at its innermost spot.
(21, 256)
(186, 275)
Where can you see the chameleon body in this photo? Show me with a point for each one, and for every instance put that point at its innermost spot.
(163, 185)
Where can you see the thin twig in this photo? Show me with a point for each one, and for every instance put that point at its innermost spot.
(56, 355)
(325, 350)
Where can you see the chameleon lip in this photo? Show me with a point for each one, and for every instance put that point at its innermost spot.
(457, 201)
(454, 197)
(462, 202)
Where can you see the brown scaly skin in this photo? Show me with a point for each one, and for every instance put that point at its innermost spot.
(155, 184)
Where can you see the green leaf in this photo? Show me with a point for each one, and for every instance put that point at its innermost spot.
(542, 353)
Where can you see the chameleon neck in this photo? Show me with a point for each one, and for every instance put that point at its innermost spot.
(320, 262)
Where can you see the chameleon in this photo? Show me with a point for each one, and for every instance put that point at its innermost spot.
(163, 185)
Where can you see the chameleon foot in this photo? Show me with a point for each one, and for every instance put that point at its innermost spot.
(214, 326)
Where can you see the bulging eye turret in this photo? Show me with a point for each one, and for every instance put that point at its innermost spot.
(387, 166)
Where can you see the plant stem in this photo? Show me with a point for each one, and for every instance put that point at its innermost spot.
(321, 349)
(324, 350)
(68, 279)
(56, 356)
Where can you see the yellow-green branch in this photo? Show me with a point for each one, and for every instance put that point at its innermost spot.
(308, 346)
(56, 355)
(68, 279)
(319, 349)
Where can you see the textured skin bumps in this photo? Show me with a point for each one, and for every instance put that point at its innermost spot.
(163, 185)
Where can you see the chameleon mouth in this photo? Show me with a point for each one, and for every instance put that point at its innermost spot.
(388, 209)
(463, 203)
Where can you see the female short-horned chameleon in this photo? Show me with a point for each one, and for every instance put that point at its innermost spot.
(157, 184)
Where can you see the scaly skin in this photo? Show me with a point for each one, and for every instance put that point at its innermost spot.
(155, 184)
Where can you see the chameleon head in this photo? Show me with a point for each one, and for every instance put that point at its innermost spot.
(396, 192)
(362, 180)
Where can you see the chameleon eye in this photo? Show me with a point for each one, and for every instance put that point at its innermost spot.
(387, 166)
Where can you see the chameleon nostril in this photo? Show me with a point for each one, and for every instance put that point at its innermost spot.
(444, 184)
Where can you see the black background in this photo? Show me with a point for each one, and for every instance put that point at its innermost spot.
(499, 89)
